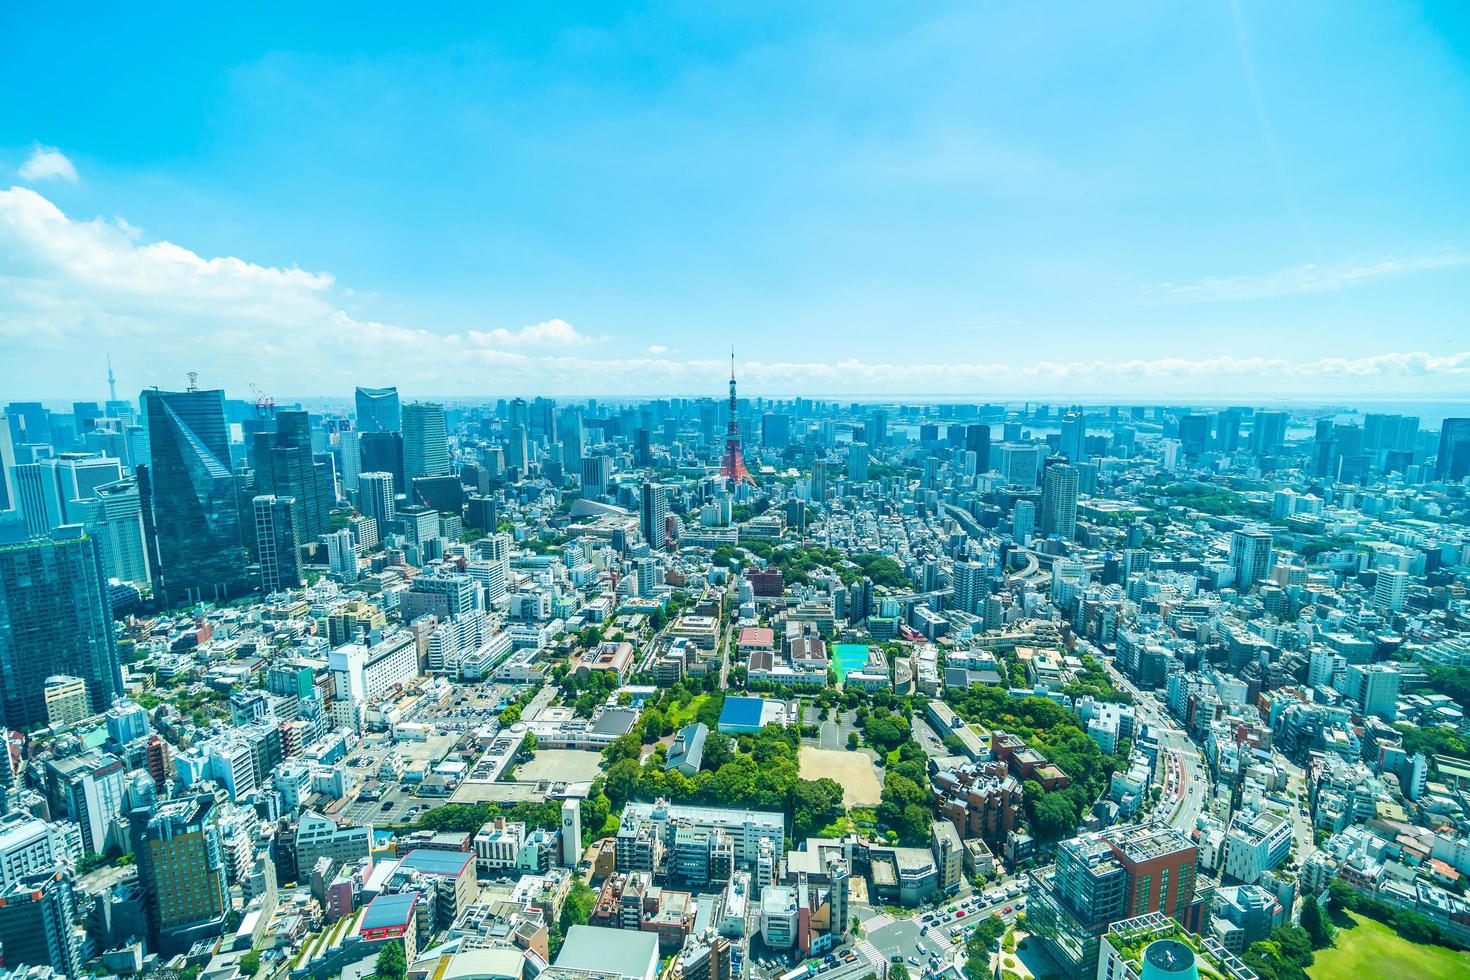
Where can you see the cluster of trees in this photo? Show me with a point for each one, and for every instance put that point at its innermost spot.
(757, 771)
(1053, 731)
(1214, 500)
(884, 571)
(1094, 680)
(1411, 925)
(466, 818)
(977, 947)
(885, 730)
(906, 805)
(1283, 955)
(1453, 682)
(1434, 740)
(575, 911)
(584, 692)
(391, 963)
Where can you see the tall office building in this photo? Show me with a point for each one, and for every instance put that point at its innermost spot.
(977, 441)
(653, 518)
(857, 462)
(775, 430)
(1250, 555)
(7, 460)
(375, 499)
(29, 495)
(1023, 521)
(1227, 430)
(1194, 433)
(54, 619)
(285, 466)
(425, 440)
(382, 452)
(37, 923)
(1391, 591)
(1072, 437)
(349, 455)
(115, 518)
(193, 498)
(278, 533)
(1059, 501)
(1452, 463)
(1018, 463)
(182, 870)
(518, 450)
(596, 472)
(642, 448)
(878, 428)
(378, 410)
(573, 441)
(1268, 431)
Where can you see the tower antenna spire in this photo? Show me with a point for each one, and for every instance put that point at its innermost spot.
(111, 380)
(733, 468)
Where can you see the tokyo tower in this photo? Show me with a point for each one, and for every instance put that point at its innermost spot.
(733, 468)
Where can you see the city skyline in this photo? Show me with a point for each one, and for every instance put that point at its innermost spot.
(1267, 203)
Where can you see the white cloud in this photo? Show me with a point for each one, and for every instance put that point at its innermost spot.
(72, 291)
(48, 163)
(548, 334)
(1309, 278)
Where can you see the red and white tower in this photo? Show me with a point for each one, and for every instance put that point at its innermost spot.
(733, 469)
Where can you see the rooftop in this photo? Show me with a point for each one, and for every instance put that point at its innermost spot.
(389, 911)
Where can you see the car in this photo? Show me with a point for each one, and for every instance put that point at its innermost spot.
(387, 804)
(960, 914)
(895, 958)
(913, 961)
(1010, 909)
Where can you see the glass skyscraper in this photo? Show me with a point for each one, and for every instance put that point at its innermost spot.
(193, 497)
(54, 619)
(378, 410)
(425, 441)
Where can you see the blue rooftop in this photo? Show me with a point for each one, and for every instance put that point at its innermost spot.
(386, 911)
(742, 713)
(446, 863)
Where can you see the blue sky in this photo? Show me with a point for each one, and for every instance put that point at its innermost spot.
(972, 199)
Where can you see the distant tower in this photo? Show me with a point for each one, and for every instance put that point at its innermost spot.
(111, 380)
(733, 469)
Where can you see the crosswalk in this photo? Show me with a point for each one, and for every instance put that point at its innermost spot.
(869, 952)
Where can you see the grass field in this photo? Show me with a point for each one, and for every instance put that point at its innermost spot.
(684, 714)
(1372, 949)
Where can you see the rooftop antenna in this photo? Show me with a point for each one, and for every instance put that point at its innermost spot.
(193, 381)
(111, 380)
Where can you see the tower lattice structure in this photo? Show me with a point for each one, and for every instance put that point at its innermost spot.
(733, 468)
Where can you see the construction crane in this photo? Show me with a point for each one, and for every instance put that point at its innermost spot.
(265, 405)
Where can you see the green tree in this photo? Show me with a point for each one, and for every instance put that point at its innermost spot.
(1316, 925)
(852, 740)
(250, 963)
(897, 971)
(814, 803)
(391, 964)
